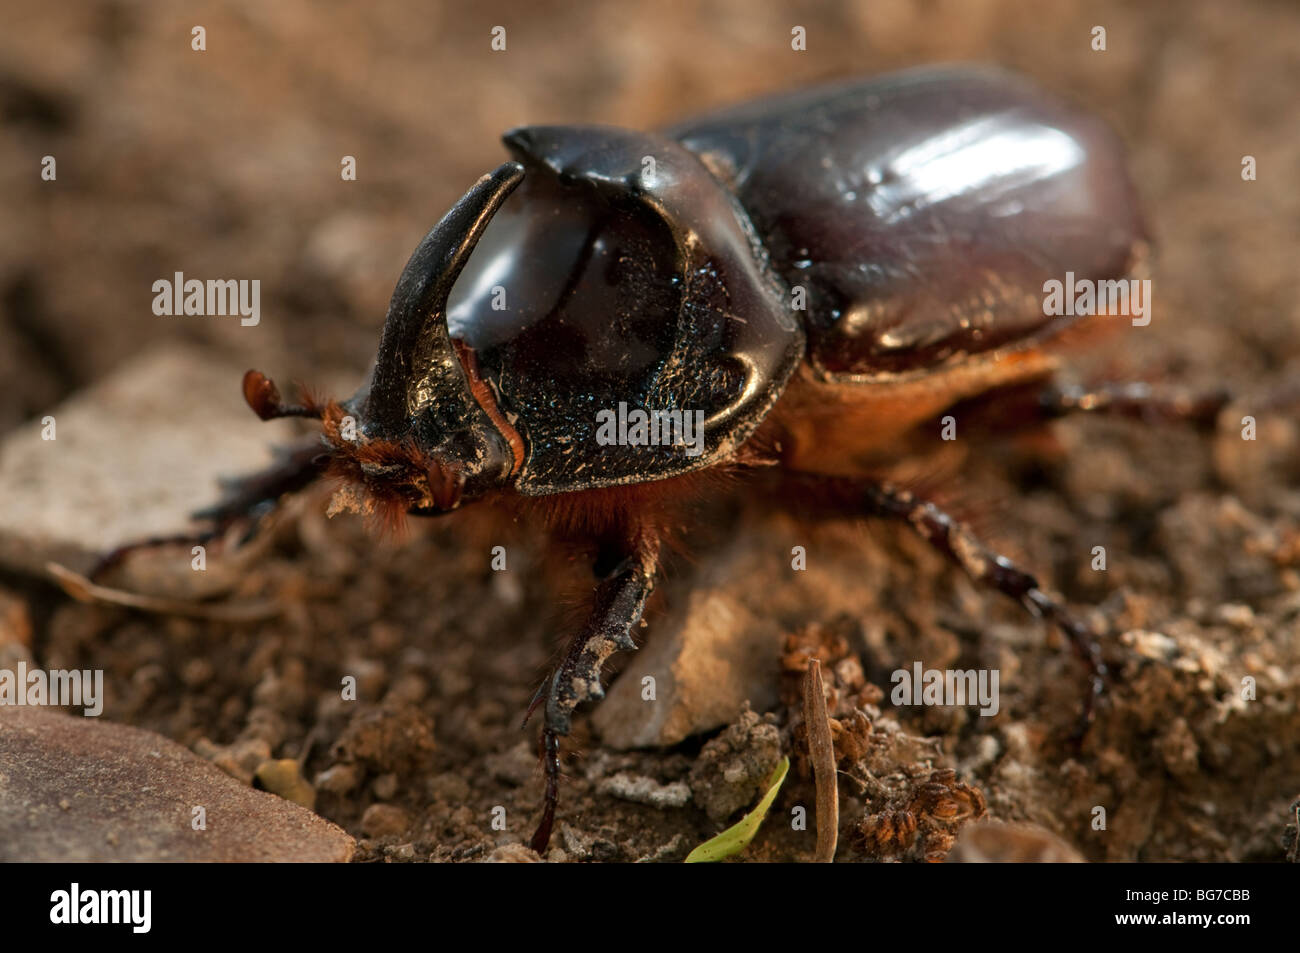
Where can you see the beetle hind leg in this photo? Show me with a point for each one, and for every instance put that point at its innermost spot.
(961, 546)
(619, 600)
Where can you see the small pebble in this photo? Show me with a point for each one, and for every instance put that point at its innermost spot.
(385, 786)
(284, 778)
(384, 820)
(512, 854)
(339, 779)
(643, 790)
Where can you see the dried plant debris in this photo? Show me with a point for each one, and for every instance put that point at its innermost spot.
(847, 688)
(83, 590)
(910, 809)
(822, 755)
(1291, 834)
(923, 822)
(850, 699)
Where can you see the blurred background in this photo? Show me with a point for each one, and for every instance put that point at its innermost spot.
(226, 163)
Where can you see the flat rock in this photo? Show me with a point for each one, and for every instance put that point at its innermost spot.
(132, 457)
(721, 646)
(84, 790)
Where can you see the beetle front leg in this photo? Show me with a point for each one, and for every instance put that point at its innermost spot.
(962, 547)
(619, 600)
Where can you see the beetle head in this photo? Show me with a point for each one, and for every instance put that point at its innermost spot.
(417, 438)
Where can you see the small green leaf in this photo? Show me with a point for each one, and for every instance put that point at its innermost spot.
(737, 837)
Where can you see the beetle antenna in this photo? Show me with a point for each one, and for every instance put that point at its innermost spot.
(264, 397)
(415, 351)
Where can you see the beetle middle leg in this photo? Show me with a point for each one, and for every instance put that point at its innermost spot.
(961, 546)
(619, 600)
(1134, 399)
(1034, 403)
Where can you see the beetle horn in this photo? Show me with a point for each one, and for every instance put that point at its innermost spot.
(416, 358)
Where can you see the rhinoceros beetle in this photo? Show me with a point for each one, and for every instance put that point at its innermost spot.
(811, 278)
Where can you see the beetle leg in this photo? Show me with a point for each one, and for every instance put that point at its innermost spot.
(956, 541)
(619, 600)
(1135, 399)
(247, 499)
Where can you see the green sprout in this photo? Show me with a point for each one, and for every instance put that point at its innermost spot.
(737, 837)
